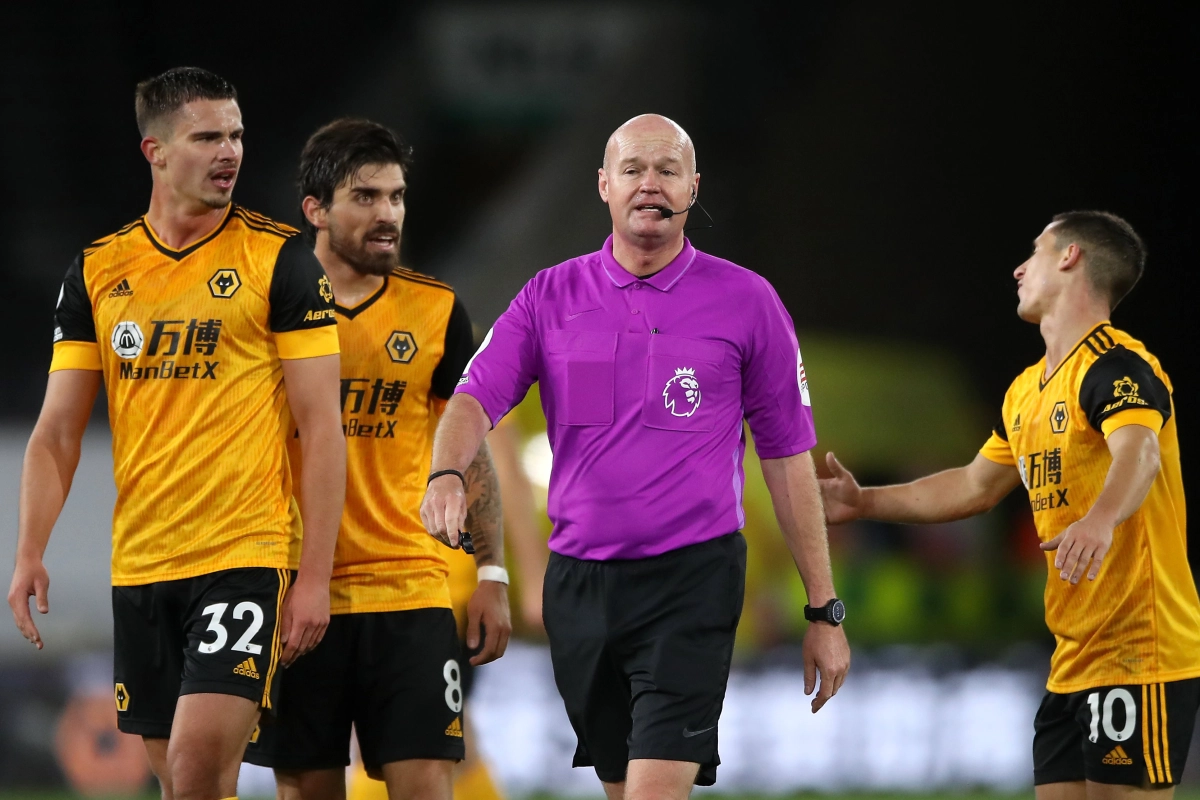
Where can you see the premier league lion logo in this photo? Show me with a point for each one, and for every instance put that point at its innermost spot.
(682, 393)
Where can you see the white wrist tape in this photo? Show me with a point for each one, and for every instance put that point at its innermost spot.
(490, 573)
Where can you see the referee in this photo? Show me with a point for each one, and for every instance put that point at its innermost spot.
(650, 354)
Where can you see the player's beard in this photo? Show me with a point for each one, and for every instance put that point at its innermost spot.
(355, 252)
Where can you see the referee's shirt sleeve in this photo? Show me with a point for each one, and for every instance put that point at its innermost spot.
(75, 345)
(302, 316)
(774, 384)
(505, 365)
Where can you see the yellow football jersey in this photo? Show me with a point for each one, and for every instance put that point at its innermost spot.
(190, 343)
(1139, 621)
(403, 350)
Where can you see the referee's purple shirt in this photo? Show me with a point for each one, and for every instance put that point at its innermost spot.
(645, 384)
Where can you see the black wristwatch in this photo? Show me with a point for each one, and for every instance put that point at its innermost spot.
(832, 612)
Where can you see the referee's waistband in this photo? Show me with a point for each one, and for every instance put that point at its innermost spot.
(715, 542)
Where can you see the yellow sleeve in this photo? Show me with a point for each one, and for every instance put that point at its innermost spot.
(997, 450)
(308, 342)
(1146, 417)
(75, 355)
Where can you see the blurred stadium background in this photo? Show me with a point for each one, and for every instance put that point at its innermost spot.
(885, 166)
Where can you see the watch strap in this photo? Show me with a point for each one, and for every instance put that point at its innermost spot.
(826, 613)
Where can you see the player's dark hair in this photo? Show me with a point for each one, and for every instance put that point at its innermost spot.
(335, 154)
(1115, 255)
(163, 95)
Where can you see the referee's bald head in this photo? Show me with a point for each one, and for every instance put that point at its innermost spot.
(650, 129)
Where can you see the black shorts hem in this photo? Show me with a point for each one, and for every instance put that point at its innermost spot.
(604, 774)
(293, 764)
(418, 756)
(1044, 777)
(252, 693)
(705, 776)
(148, 729)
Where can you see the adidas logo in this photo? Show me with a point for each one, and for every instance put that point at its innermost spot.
(1016, 426)
(121, 289)
(455, 728)
(1117, 758)
(247, 668)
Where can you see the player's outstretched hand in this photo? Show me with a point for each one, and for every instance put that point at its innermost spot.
(488, 607)
(304, 619)
(444, 509)
(30, 579)
(841, 494)
(1084, 541)
(827, 652)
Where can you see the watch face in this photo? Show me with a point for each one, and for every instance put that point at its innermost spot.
(838, 611)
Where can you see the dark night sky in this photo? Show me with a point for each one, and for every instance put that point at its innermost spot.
(885, 167)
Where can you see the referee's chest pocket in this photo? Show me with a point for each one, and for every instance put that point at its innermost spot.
(685, 384)
(583, 364)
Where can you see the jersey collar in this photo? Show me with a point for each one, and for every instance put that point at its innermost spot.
(1098, 330)
(363, 305)
(179, 255)
(662, 280)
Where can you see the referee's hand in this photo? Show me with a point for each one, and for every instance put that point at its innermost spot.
(304, 619)
(827, 652)
(489, 606)
(444, 509)
(29, 580)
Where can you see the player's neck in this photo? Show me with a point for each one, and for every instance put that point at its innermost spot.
(178, 222)
(1064, 328)
(645, 257)
(350, 287)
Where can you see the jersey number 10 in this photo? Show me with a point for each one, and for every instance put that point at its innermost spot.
(1106, 719)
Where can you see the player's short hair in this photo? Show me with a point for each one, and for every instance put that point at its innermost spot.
(336, 152)
(161, 96)
(1115, 256)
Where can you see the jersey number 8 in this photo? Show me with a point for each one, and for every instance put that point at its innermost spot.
(243, 644)
(453, 676)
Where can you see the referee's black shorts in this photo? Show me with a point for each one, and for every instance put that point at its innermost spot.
(641, 652)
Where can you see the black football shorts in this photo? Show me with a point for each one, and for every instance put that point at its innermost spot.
(212, 633)
(1129, 735)
(641, 652)
(393, 675)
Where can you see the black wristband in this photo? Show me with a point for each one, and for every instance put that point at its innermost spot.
(833, 612)
(442, 472)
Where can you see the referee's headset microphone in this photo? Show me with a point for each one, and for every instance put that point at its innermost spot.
(667, 213)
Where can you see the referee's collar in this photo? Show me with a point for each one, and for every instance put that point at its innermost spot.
(662, 280)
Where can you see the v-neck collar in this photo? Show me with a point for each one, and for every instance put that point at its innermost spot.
(1042, 384)
(179, 255)
(363, 305)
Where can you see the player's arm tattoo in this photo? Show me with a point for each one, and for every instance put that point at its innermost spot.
(485, 520)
